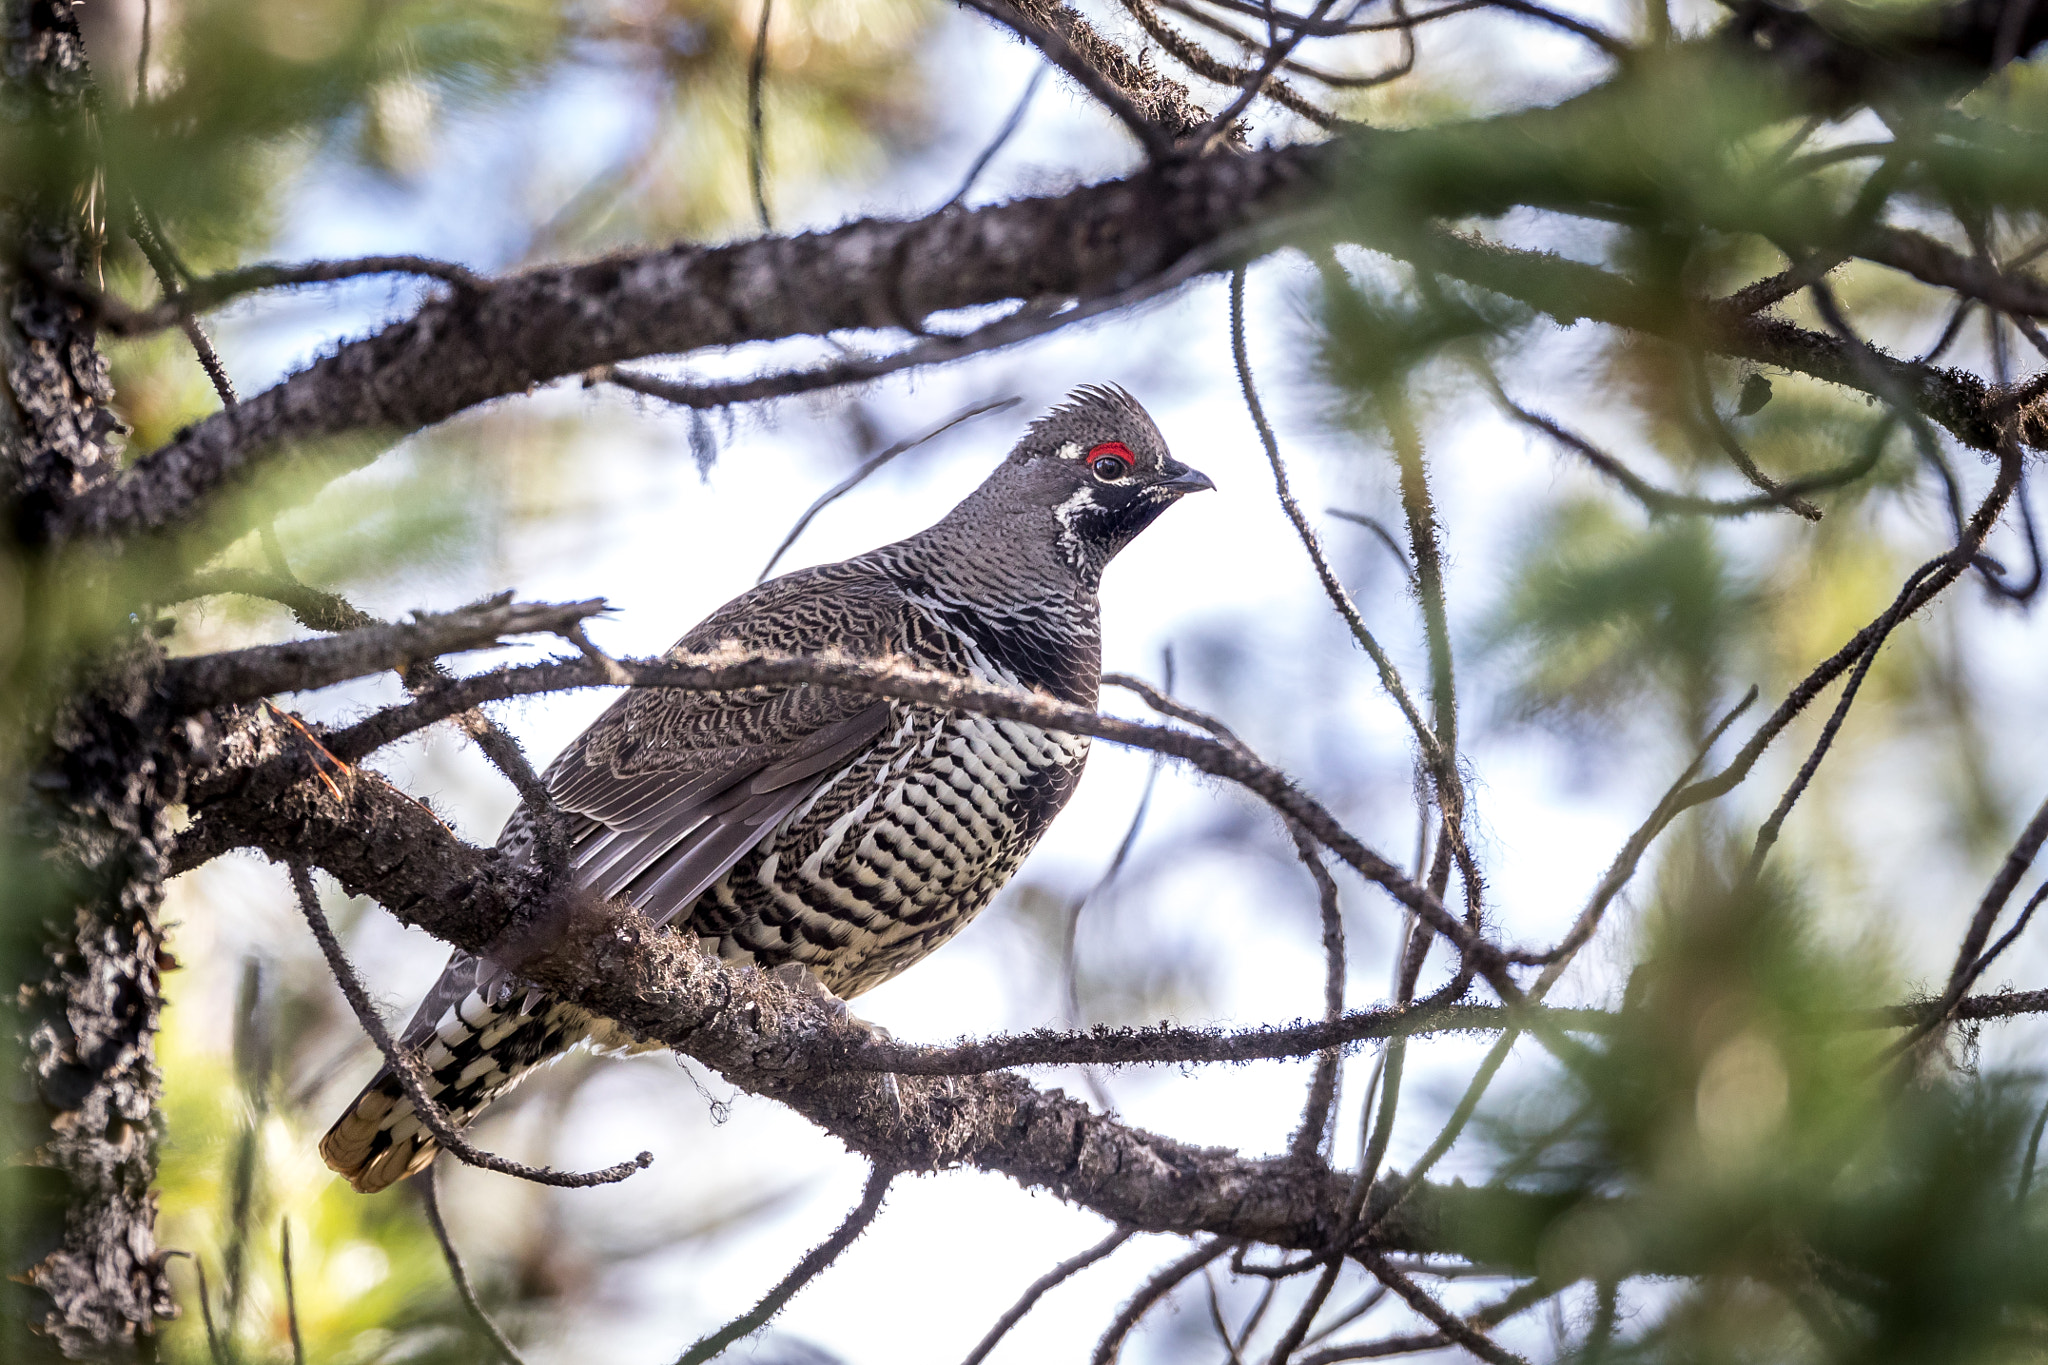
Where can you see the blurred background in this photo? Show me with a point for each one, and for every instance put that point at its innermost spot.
(1595, 646)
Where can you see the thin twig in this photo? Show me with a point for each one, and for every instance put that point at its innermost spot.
(405, 1067)
(291, 1297)
(1201, 63)
(1424, 538)
(1491, 1315)
(1322, 1090)
(2017, 860)
(1070, 922)
(1414, 1343)
(1968, 546)
(757, 137)
(806, 1270)
(1385, 537)
(1423, 1302)
(1333, 588)
(211, 291)
(1154, 1289)
(430, 1201)
(999, 141)
(1205, 139)
(1768, 834)
(1070, 925)
(1950, 330)
(1623, 867)
(142, 55)
(1371, 1300)
(2027, 1166)
(1058, 1275)
(2019, 926)
(1660, 501)
(1061, 53)
(214, 1346)
(160, 259)
(872, 464)
(1331, 28)
(1223, 1332)
(1710, 418)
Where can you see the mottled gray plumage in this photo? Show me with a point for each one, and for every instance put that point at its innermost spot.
(801, 825)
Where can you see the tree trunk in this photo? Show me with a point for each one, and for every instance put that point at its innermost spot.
(83, 867)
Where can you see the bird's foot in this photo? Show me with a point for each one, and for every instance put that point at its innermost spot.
(799, 977)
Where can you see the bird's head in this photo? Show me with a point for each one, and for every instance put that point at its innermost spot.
(1098, 465)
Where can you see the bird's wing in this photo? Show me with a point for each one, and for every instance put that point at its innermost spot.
(683, 833)
(674, 787)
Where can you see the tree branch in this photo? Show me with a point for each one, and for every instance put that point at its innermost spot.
(550, 322)
(894, 678)
(119, 319)
(297, 665)
(782, 1044)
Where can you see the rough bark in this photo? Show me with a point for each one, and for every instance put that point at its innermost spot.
(84, 877)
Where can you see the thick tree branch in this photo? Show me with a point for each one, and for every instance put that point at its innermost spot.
(544, 324)
(782, 1044)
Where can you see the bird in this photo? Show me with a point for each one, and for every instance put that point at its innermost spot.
(828, 836)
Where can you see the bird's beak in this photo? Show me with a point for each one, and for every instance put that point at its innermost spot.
(1181, 479)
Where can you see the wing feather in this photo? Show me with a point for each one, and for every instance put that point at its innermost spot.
(679, 786)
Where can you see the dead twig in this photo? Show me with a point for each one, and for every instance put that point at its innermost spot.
(873, 463)
(1036, 1290)
(1423, 1302)
(1161, 1283)
(245, 675)
(806, 1270)
(211, 291)
(406, 1068)
(999, 141)
(1710, 420)
(1322, 1090)
(1032, 320)
(1660, 501)
(430, 1201)
(1061, 53)
(1333, 588)
(757, 134)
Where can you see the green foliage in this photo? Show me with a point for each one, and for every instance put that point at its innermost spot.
(239, 1160)
(1738, 1128)
(1607, 612)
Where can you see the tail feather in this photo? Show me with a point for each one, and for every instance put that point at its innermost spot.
(476, 1052)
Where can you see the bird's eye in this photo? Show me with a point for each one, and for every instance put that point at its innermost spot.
(1111, 460)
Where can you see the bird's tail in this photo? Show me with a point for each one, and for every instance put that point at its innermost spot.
(475, 1053)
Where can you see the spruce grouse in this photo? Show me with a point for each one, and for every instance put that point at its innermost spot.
(803, 825)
